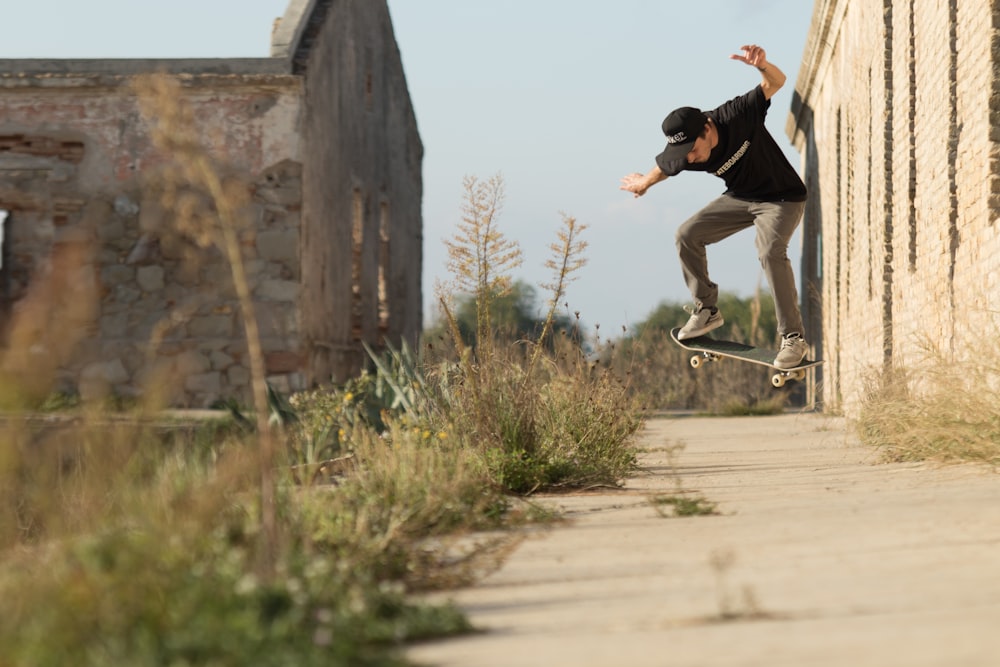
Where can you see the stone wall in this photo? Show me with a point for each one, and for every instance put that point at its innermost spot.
(895, 117)
(104, 286)
(77, 164)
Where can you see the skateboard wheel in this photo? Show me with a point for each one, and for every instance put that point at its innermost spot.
(778, 380)
(695, 361)
(799, 375)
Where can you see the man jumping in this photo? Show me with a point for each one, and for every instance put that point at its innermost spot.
(762, 190)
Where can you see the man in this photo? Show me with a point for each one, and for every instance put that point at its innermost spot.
(762, 190)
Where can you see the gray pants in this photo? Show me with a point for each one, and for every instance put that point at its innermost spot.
(723, 217)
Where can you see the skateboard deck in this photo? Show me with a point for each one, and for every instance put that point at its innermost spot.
(712, 349)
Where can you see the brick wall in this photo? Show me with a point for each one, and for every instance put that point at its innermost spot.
(895, 115)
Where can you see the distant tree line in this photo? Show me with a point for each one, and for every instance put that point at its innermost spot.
(655, 369)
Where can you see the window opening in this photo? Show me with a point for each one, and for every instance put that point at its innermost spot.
(5, 270)
(3, 248)
(383, 269)
(357, 242)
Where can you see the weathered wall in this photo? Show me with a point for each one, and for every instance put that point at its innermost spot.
(324, 131)
(896, 119)
(362, 192)
(74, 140)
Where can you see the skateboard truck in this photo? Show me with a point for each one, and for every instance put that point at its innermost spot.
(778, 379)
(698, 359)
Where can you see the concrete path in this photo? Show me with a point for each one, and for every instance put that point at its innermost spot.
(820, 556)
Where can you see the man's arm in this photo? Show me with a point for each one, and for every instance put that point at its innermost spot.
(773, 78)
(637, 184)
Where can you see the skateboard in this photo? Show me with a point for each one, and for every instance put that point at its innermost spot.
(711, 349)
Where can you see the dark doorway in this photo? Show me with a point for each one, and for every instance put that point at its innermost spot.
(4, 273)
(3, 246)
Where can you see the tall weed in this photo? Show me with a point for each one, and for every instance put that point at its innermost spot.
(212, 208)
(536, 421)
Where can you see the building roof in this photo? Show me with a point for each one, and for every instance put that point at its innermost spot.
(291, 41)
(297, 31)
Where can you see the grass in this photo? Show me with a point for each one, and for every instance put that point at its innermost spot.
(125, 552)
(938, 409)
(682, 506)
(753, 407)
(124, 540)
(211, 207)
(396, 513)
(128, 541)
(297, 533)
(538, 418)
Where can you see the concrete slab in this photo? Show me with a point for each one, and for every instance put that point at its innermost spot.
(820, 555)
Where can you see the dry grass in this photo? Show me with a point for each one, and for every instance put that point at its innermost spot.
(937, 409)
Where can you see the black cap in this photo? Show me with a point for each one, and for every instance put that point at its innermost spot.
(681, 128)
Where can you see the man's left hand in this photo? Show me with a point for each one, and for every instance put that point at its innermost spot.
(752, 55)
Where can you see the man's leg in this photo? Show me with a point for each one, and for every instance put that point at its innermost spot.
(720, 219)
(776, 222)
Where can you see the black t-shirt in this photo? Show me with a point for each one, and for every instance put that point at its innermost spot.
(747, 158)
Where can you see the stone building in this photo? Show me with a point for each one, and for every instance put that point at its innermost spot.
(98, 290)
(897, 117)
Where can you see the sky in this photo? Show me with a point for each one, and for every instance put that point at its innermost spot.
(561, 98)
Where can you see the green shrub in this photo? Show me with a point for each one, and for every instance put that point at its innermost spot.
(140, 595)
(586, 427)
(142, 554)
(411, 491)
(534, 410)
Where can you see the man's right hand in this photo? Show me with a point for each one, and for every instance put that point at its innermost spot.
(638, 183)
(634, 183)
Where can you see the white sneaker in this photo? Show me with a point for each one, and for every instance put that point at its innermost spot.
(700, 323)
(793, 350)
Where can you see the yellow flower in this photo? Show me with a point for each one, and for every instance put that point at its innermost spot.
(442, 435)
(341, 434)
(427, 435)
(348, 397)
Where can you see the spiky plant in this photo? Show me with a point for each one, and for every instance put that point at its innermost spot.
(567, 258)
(480, 257)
